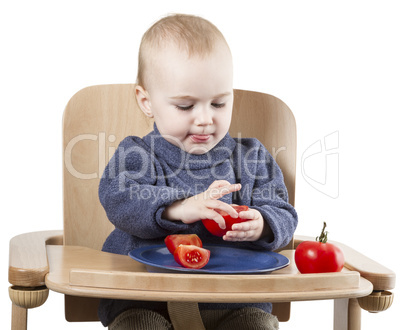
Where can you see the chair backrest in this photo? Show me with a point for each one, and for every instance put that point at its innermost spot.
(97, 118)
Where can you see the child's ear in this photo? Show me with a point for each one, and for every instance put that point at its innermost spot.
(143, 101)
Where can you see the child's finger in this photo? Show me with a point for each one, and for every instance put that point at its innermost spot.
(250, 214)
(213, 215)
(237, 236)
(219, 183)
(219, 205)
(218, 192)
(244, 226)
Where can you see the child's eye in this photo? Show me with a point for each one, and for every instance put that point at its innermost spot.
(184, 107)
(218, 105)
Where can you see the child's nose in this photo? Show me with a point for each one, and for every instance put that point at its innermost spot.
(203, 117)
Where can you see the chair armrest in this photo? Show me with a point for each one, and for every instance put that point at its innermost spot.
(28, 264)
(381, 277)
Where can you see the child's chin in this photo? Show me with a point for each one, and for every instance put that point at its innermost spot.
(198, 150)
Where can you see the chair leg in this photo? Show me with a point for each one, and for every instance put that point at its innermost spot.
(19, 317)
(22, 299)
(347, 314)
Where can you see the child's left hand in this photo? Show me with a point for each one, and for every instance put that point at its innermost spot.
(251, 230)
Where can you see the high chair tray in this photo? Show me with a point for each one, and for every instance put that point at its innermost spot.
(81, 271)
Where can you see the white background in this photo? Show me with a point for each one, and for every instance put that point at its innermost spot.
(337, 64)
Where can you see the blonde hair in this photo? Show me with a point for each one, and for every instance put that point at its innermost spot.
(192, 34)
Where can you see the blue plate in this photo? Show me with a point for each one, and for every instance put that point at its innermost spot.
(223, 260)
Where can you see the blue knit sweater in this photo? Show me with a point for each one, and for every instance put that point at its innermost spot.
(146, 175)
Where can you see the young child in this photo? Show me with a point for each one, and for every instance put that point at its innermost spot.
(189, 167)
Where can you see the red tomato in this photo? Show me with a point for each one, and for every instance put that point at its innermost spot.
(191, 256)
(214, 228)
(173, 241)
(319, 256)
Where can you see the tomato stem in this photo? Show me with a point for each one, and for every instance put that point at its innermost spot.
(323, 238)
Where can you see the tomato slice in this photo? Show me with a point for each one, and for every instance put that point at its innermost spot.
(191, 256)
(173, 241)
(214, 228)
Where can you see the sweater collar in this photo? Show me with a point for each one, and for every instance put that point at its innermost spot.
(179, 158)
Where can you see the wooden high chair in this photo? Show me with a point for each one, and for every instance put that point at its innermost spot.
(96, 119)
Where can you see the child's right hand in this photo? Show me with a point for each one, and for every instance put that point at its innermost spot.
(203, 205)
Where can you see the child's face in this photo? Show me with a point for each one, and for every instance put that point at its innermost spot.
(191, 99)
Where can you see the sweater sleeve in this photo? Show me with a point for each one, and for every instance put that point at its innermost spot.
(133, 195)
(267, 193)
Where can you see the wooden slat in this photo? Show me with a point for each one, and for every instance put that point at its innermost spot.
(215, 284)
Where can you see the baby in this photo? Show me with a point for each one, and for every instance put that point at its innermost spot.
(188, 168)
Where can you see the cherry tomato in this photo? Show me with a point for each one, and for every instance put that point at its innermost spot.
(191, 256)
(319, 256)
(173, 241)
(214, 228)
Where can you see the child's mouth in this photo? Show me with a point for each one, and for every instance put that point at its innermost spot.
(200, 138)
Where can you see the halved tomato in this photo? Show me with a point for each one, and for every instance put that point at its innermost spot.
(191, 256)
(214, 228)
(173, 241)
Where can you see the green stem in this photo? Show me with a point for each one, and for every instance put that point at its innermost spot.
(323, 237)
